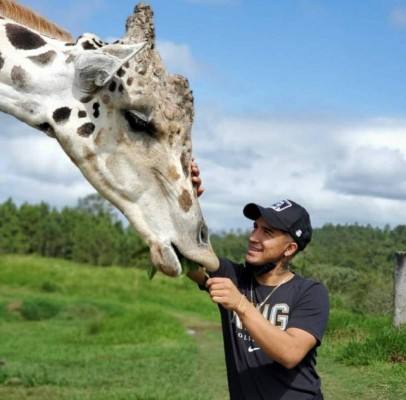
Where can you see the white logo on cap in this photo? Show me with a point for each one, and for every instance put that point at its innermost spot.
(281, 205)
(298, 233)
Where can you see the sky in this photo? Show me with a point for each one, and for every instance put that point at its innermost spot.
(297, 99)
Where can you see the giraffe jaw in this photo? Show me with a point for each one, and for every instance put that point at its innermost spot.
(168, 259)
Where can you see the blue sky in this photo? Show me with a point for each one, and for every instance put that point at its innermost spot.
(300, 99)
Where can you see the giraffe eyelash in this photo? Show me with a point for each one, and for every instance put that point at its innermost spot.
(139, 123)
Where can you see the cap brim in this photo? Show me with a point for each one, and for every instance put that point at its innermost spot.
(254, 211)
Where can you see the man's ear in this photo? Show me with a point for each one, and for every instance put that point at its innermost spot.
(291, 249)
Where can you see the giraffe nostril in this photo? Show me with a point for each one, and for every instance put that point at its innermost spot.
(203, 234)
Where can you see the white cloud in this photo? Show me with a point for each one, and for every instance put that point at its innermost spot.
(371, 172)
(22, 188)
(34, 168)
(343, 172)
(178, 58)
(40, 158)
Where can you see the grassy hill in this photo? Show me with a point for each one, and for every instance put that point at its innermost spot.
(76, 332)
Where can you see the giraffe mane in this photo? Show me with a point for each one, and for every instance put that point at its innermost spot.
(27, 17)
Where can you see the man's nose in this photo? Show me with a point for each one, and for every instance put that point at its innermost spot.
(253, 237)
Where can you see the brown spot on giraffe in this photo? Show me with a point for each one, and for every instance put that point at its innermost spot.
(173, 173)
(61, 114)
(106, 99)
(89, 155)
(1, 61)
(121, 138)
(86, 99)
(47, 128)
(86, 129)
(184, 160)
(112, 86)
(121, 72)
(44, 58)
(70, 59)
(185, 200)
(96, 111)
(22, 38)
(98, 137)
(88, 46)
(19, 77)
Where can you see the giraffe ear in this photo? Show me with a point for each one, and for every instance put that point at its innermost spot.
(94, 68)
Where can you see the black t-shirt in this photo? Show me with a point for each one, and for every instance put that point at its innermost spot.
(252, 375)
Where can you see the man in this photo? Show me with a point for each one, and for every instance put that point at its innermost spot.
(272, 319)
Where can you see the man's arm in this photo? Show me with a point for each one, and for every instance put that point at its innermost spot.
(286, 347)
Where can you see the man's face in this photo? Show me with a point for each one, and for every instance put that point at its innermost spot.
(266, 244)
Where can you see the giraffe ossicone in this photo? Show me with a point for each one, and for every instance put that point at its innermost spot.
(123, 120)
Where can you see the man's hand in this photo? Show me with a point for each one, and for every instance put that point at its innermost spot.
(196, 180)
(224, 292)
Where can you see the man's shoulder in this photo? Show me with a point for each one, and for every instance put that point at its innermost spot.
(301, 280)
(304, 284)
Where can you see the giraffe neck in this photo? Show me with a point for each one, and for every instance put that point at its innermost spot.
(28, 89)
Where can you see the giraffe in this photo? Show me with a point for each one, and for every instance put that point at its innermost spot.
(121, 118)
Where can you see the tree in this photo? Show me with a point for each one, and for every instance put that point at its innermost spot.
(30, 221)
(94, 240)
(11, 238)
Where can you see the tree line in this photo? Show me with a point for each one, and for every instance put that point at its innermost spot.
(355, 262)
(89, 233)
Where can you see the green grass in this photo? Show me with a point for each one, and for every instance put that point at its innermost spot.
(363, 358)
(74, 332)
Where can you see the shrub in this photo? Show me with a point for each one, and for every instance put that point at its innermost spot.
(38, 309)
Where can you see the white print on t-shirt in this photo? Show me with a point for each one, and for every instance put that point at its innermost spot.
(277, 315)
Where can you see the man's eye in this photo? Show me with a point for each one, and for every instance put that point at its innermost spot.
(139, 123)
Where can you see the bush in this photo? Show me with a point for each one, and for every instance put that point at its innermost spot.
(38, 309)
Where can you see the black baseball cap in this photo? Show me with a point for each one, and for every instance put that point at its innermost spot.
(285, 215)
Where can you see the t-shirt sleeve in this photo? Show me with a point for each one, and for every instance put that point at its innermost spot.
(311, 312)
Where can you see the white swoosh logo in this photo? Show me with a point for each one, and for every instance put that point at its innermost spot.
(251, 349)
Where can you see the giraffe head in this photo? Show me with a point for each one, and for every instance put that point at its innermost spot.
(122, 119)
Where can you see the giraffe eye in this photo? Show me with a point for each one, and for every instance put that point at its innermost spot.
(139, 123)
